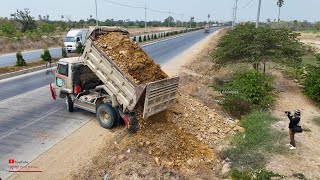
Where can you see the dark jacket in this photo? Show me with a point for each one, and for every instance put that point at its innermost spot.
(294, 121)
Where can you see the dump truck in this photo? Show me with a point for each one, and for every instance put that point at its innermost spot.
(93, 82)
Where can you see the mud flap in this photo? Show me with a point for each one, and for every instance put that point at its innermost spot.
(131, 122)
(53, 94)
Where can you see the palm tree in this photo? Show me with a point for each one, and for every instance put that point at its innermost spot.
(280, 4)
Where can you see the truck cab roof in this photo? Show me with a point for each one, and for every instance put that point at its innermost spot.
(71, 60)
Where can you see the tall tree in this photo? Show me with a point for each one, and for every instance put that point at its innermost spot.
(259, 45)
(280, 4)
(27, 21)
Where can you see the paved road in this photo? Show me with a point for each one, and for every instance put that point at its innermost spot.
(156, 50)
(31, 122)
(29, 56)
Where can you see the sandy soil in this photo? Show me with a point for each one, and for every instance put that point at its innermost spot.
(92, 152)
(312, 40)
(306, 158)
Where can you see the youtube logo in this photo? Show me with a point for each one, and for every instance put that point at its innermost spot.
(11, 161)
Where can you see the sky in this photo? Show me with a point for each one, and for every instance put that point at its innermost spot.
(220, 10)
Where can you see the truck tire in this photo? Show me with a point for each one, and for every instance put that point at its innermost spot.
(106, 116)
(69, 103)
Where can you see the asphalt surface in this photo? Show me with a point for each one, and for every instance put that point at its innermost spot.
(31, 122)
(29, 56)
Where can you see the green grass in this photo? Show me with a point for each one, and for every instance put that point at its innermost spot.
(317, 121)
(251, 175)
(309, 60)
(252, 148)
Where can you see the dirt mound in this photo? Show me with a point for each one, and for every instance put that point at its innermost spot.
(130, 58)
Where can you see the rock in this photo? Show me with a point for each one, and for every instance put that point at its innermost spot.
(190, 162)
(157, 160)
(168, 164)
(148, 143)
(121, 157)
(213, 130)
(128, 151)
(225, 169)
(239, 129)
(141, 144)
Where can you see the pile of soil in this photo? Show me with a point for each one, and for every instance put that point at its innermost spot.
(130, 58)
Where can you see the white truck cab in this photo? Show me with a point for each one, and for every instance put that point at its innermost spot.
(74, 38)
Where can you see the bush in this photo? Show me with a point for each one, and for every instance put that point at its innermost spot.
(20, 61)
(155, 36)
(148, 37)
(140, 39)
(248, 90)
(134, 38)
(64, 52)
(152, 36)
(79, 48)
(144, 38)
(46, 55)
(312, 81)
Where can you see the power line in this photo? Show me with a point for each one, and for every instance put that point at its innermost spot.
(247, 4)
(124, 5)
(139, 7)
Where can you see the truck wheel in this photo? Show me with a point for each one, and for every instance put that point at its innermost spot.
(69, 103)
(106, 116)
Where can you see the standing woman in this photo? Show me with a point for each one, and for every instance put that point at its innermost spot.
(294, 123)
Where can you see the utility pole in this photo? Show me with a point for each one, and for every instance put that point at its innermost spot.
(145, 17)
(97, 22)
(235, 9)
(258, 15)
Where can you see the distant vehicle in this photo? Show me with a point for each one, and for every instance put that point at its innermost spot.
(74, 38)
(214, 25)
(207, 28)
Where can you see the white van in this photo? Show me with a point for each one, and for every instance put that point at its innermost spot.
(74, 38)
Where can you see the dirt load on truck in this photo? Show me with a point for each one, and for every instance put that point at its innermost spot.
(130, 58)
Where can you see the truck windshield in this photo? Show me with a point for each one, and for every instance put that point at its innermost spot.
(62, 69)
(69, 39)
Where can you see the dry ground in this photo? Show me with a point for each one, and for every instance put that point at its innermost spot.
(180, 143)
(311, 39)
(306, 158)
(57, 40)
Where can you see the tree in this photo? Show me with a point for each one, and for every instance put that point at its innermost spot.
(259, 45)
(46, 56)
(79, 48)
(169, 19)
(140, 39)
(280, 4)
(46, 27)
(27, 21)
(7, 28)
(20, 61)
(134, 38)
